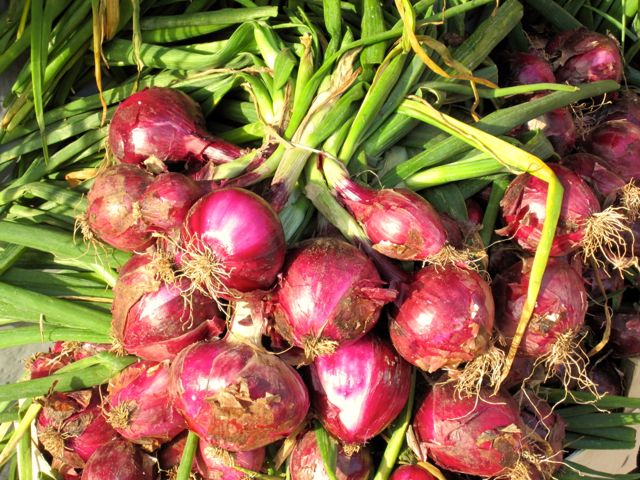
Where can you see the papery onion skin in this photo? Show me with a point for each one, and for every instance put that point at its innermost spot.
(167, 124)
(469, 435)
(241, 232)
(113, 212)
(583, 56)
(215, 464)
(167, 200)
(329, 290)
(560, 307)
(411, 472)
(627, 108)
(524, 204)
(618, 144)
(119, 460)
(306, 462)
(156, 320)
(445, 319)
(237, 397)
(139, 405)
(593, 169)
(360, 389)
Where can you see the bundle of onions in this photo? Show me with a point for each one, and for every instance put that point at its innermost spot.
(119, 460)
(445, 319)
(113, 211)
(139, 406)
(399, 223)
(359, 390)
(214, 463)
(306, 462)
(216, 252)
(234, 394)
(164, 124)
(155, 319)
(330, 294)
(555, 329)
(581, 225)
(482, 436)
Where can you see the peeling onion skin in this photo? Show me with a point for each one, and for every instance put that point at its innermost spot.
(113, 212)
(330, 290)
(213, 466)
(119, 460)
(618, 144)
(411, 472)
(446, 318)
(306, 462)
(142, 390)
(468, 435)
(156, 320)
(523, 211)
(360, 389)
(561, 305)
(167, 124)
(237, 397)
(219, 221)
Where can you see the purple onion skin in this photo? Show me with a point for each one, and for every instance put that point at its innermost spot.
(166, 124)
(593, 170)
(119, 460)
(151, 318)
(170, 455)
(558, 126)
(167, 200)
(242, 232)
(561, 305)
(400, 223)
(113, 210)
(237, 397)
(468, 435)
(607, 378)
(360, 389)
(213, 466)
(584, 56)
(411, 472)
(540, 418)
(446, 318)
(626, 108)
(306, 462)
(528, 68)
(524, 204)
(618, 144)
(625, 334)
(329, 290)
(142, 389)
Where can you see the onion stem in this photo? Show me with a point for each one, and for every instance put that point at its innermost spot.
(188, 454)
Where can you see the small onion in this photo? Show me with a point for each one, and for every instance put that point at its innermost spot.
(618, 144)
(213, 463)
(528, 68)
(166, 124)
(445, 319)
(170, 455)
(625, 334)
(139, 406)
(411, 472)
(306, 462)
(119, 460)
(558, 126)
(330, 294)
(627, 108)
(113, 210)
(154, 319)
(360, 389)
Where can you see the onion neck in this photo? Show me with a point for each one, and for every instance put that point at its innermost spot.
(211, 149)
(246, 324)
(338, 179)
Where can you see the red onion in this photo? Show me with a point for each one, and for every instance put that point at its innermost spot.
(594, 171)
(560, 307)
(214, 463)
(446, 318)
(608, 378)
(166, 124)
(232, 240)
(234, 394)
(524, 204)
(476, 436)
(139, 406)
(170, 455)
(113, 212)
(528, 68)
(627, 108)
(474, 211)
(154, 319)
(330, 294)
(360, 389)
(119, 460)
(306, 462)
(411, 472)
(584, 56)
(167, 200)
(558, 126)
(618, 144)
(400, 223)
(625, 334)
(71, 427)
